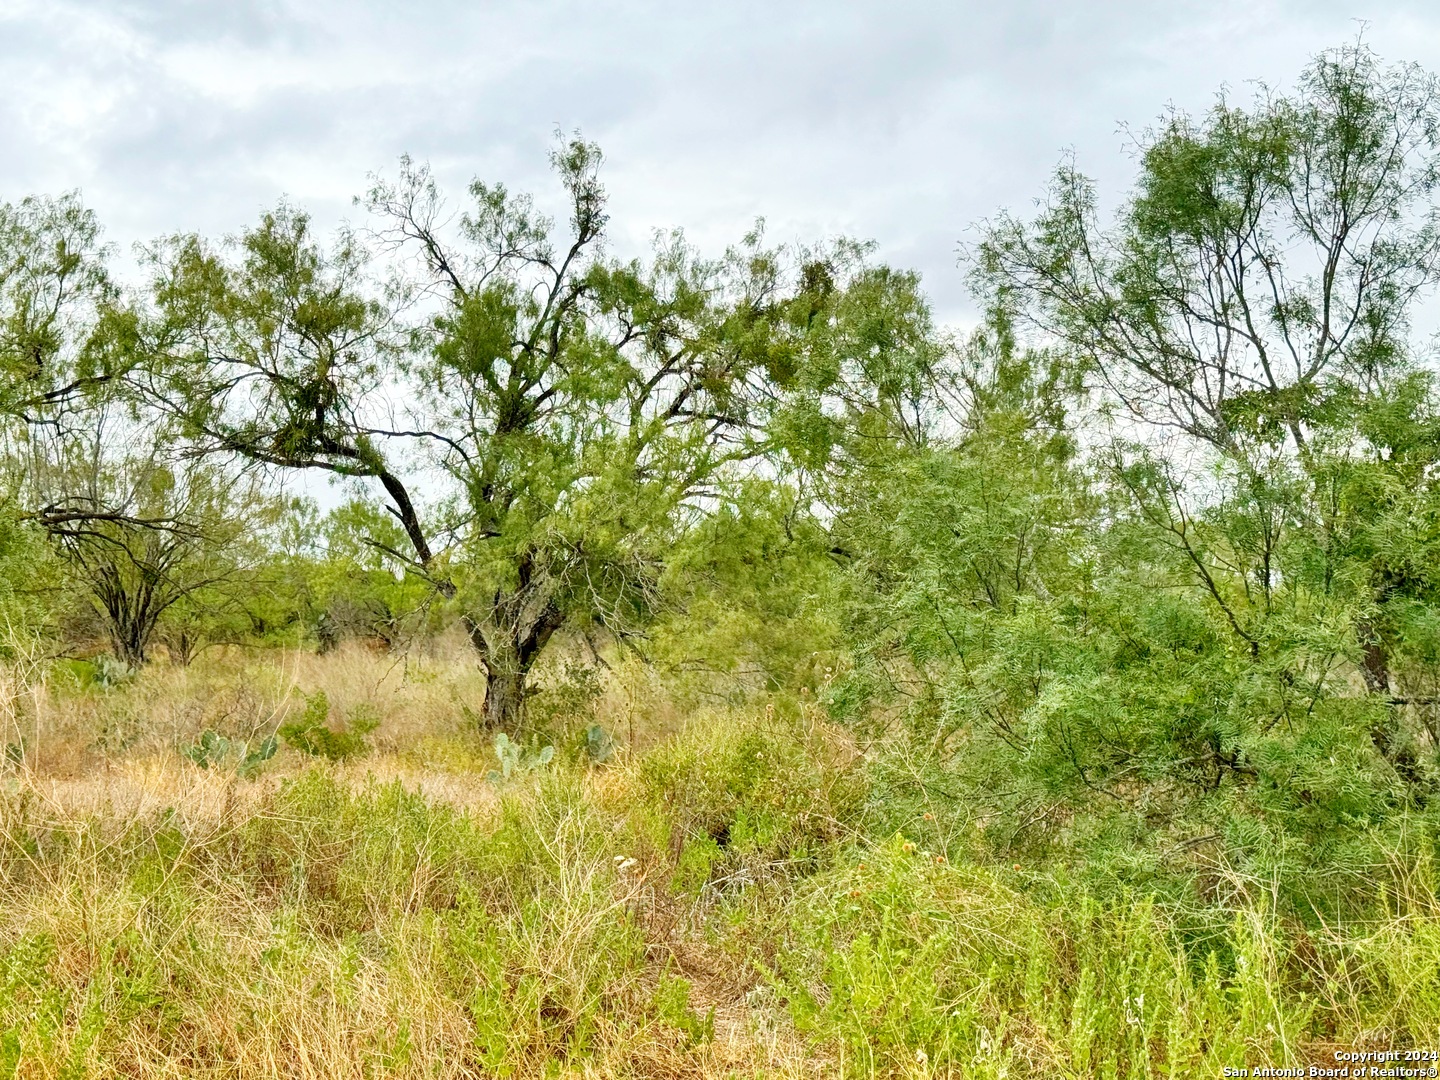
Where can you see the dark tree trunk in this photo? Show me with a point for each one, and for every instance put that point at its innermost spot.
(509, 642)
(182, 645)
(1374, 660)
(505, 700)
(128, 643)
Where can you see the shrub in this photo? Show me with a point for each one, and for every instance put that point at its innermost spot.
(214, 749)
(311, 734)
(761, 796)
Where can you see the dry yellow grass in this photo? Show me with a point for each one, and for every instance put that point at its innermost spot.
(228, 977)
(707, 905)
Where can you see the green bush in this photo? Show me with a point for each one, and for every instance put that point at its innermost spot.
(761, 797)
(214, 749)
(311, 734)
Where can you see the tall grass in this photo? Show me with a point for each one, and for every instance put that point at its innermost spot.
(712, 906)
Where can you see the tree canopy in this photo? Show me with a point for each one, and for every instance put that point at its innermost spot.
(1149, 559)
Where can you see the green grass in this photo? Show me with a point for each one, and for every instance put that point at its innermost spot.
(715, 906)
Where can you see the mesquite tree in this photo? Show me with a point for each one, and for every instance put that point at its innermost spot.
(62, 323)
(539, 416)
(143, 528)
(1267, 256)
(1255, 294)
(67, 339)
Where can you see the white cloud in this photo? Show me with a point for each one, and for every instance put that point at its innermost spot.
(905, 122)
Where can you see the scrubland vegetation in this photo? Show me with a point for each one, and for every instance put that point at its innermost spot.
(711, 666)
(742, 893)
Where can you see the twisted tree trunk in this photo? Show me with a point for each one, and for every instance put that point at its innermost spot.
(510, 639)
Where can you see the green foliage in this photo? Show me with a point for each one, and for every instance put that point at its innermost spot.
(515, 761)
(672, 1006)
(747, 801)
(748, 599)
(29, 575)
(310, 732)
(599, 745)
(565, 706)
(1207, 641)
(573, 409)
(1135, 590)
(1319, 198)
(63, 331)
(212, 749)
(156, 543)
(1006, 597)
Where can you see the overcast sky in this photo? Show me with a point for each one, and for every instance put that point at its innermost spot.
(900, 122)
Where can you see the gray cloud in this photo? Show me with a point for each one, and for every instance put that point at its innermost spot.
(905, 122)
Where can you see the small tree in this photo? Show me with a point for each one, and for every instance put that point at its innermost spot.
(66, 341)
(144, 530)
